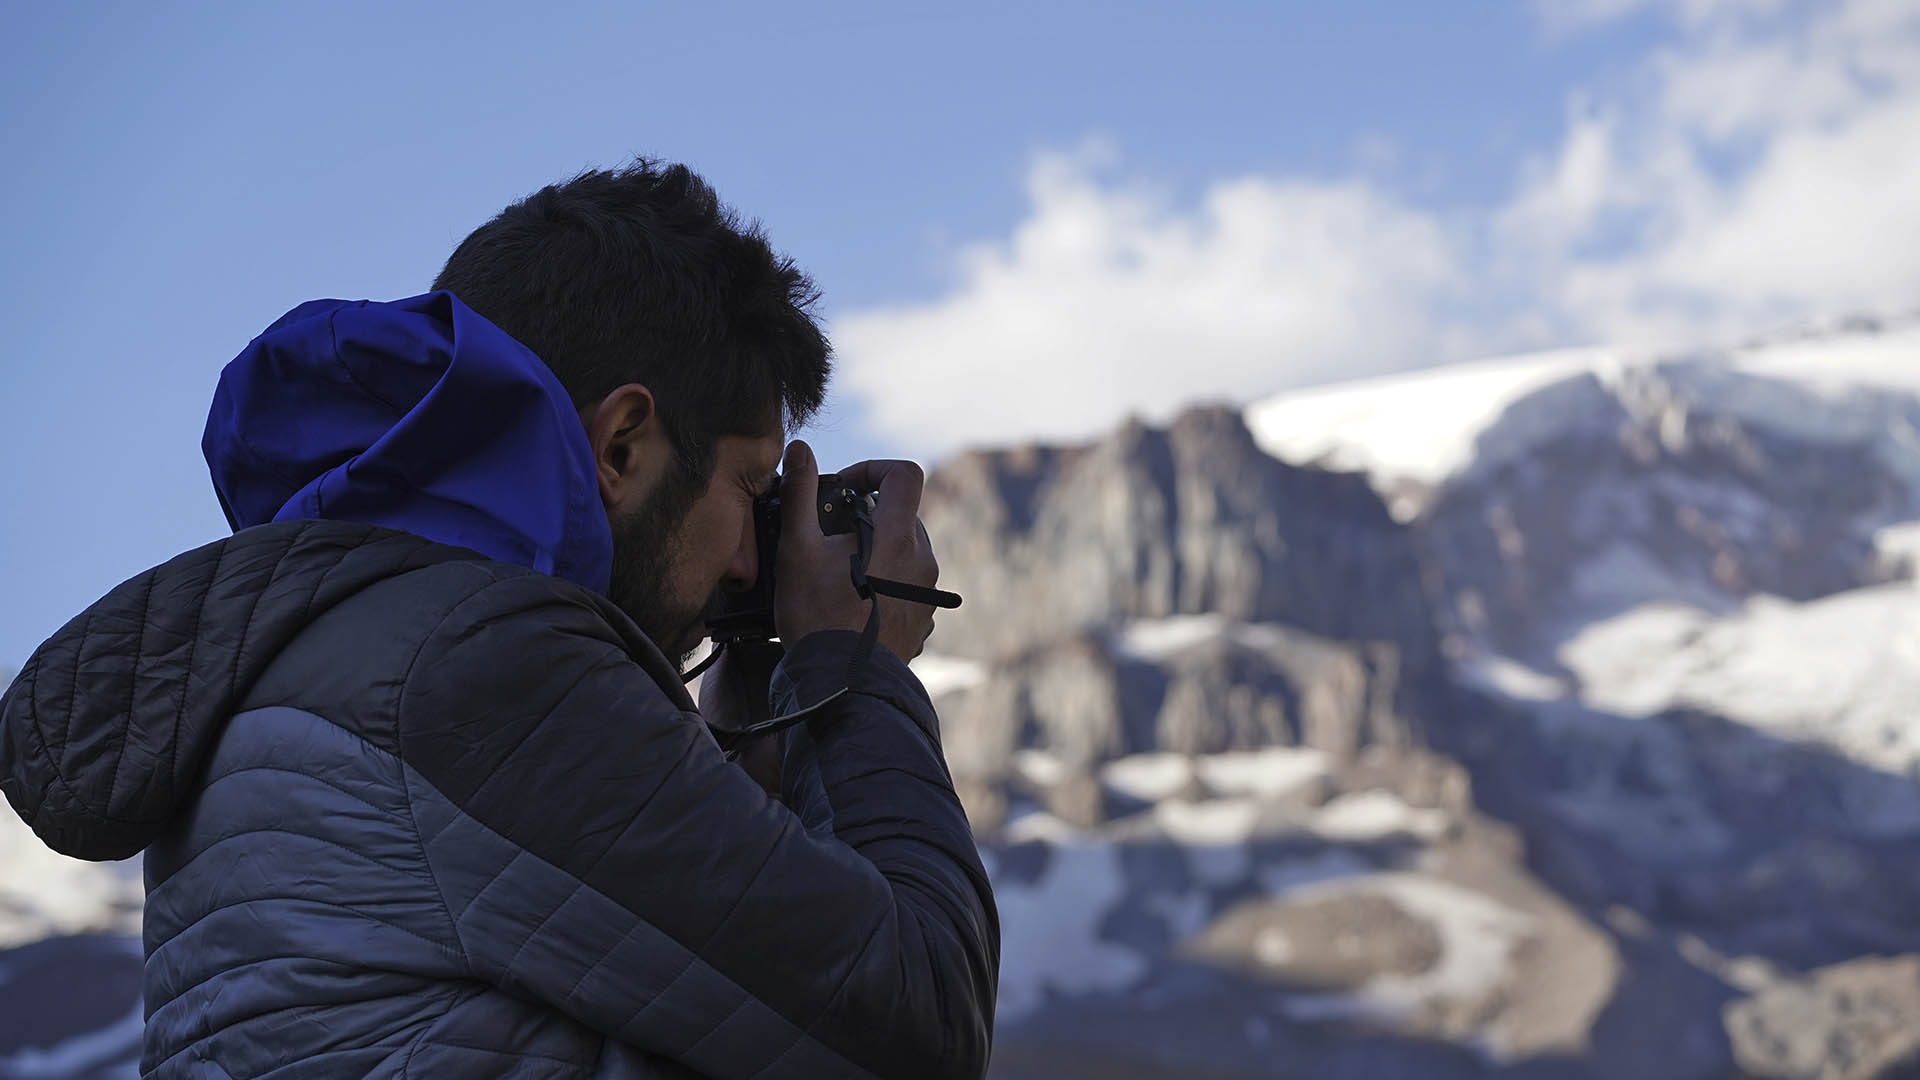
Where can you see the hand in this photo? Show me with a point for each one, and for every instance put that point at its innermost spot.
(816, 584)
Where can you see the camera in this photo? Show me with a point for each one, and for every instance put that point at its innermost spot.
(748, 615)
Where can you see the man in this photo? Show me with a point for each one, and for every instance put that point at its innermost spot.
(419, 787)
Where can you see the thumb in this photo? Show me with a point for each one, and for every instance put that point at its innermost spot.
(799, 495)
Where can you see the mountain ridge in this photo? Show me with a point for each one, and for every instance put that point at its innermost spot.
(1546, 731)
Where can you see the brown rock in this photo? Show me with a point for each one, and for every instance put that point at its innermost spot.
(1859, 1020)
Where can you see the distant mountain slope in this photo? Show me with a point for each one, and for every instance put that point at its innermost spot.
(1585, 513)
(1409, 434)
(1590, 734)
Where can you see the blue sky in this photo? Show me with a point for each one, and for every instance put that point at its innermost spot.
(1002, 203)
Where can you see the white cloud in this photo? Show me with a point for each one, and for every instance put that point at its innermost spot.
(1564, 194)
(1831, 219)
(1766, 167)
(1107, 301)
(1762, 167)
(1564, 16)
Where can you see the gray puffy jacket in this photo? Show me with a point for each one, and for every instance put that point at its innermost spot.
(411, 811)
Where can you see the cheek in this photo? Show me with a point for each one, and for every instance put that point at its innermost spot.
(707, 545)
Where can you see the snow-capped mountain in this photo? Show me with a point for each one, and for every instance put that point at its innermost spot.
(1412, 434)
(1577, 740)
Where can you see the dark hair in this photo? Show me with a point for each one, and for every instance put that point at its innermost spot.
(639, 274)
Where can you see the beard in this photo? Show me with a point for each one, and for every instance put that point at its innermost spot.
(645, 543)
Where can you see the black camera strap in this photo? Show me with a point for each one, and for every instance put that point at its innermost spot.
(706, 662)
(870, 589)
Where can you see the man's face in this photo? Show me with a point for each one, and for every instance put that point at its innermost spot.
(687, 545)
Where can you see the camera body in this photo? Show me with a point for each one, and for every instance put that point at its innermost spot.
(748, 615)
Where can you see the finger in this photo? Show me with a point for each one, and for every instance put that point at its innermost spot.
(865, 475)
(896, 487)
(799, 495)
(924, 555)
(902, 480)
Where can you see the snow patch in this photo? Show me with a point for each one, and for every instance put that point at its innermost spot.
(1889, 360)
(1627, 664)
(1267, 773)
(1259, 774)
(1408, 429)
(1050, 931)
(948, 674)
(1410, 433)
(1511, 679)
(1843, 671)
(1040, 825)
(46, 894)
(1272, 947)
(1148, 777)
(1038, 767)
(1900, 543)
(1212, 822)
(1157, 639)
(1376, 815)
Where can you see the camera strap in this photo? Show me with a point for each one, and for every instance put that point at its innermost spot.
(870, 589)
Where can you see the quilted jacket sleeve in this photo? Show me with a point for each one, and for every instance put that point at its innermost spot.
(596, 852)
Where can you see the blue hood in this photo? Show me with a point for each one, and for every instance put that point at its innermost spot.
(416, 414)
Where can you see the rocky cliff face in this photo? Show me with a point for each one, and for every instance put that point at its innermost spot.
(1673, 482)
(1149, 523)
(1169, 590)
(1550, 718)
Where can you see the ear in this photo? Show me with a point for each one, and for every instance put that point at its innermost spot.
(630, 446)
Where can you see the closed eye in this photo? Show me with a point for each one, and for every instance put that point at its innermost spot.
(762, 485)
